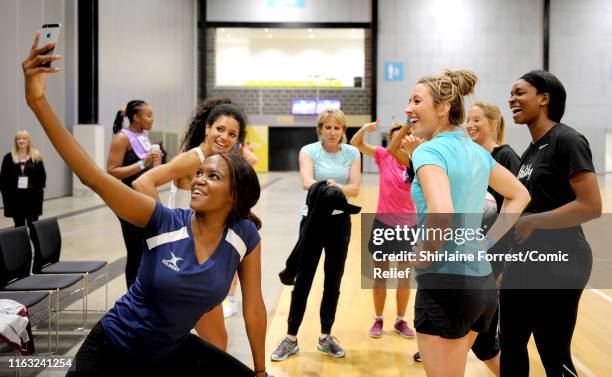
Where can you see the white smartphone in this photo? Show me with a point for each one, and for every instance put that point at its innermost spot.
(49, 34)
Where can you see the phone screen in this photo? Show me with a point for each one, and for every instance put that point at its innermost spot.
(49, 34)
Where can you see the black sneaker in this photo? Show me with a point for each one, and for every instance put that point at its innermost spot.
(417, 357)
(329, 344)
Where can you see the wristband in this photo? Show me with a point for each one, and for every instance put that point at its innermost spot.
(141, 164)
(489, 241)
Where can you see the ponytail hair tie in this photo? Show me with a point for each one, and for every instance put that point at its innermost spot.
(122, 111)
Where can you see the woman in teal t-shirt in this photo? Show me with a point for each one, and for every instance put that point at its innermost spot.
(339, 164)
(455, 300)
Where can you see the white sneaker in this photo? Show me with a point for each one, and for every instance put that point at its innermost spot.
(229, 308)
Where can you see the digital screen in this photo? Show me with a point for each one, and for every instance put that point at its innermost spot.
(324, 104)
(304, 107)
(313, 106)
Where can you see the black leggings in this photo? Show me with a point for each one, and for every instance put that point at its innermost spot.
(21, 220)
(133, 237)
(550, 315)
(99, 357)
(335, 240)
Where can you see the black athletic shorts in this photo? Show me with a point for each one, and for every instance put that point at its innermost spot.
(451, 305)
(486, 346)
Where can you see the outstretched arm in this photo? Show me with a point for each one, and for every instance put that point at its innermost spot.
(185, 164)
(253, 307)
(395, 146)
(125, 202)
(357, 139)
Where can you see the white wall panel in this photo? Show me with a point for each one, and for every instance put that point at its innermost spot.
(498, 40)
(581, 57)
(146, 51)
(19, 20)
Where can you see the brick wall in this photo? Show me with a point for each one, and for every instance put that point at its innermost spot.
(270, 101)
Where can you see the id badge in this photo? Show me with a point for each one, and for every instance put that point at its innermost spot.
(22, 183)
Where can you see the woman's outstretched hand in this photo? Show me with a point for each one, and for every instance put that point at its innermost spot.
(34, 75)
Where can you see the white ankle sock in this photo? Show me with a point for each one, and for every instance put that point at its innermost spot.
(377, 317)
(400, 318)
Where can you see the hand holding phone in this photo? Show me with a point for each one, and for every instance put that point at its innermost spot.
(35, 73)
(49, 34)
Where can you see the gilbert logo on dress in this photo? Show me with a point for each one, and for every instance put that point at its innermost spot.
(172, 262)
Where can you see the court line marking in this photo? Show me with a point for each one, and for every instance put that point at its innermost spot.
(580, 365)
(601, 294)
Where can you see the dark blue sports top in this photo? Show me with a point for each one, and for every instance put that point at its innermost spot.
(172, 290)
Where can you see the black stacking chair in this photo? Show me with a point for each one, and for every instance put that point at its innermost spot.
(47, 240)
(38, 305)
(15, 264)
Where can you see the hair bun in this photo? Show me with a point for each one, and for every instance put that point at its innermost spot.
(465, 80)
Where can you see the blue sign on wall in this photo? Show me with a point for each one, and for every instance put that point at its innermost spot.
(394, 71)
(286, 3)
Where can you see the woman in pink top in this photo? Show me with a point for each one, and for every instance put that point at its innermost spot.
(395, 207)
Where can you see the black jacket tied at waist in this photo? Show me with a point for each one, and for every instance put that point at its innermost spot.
(321, 200)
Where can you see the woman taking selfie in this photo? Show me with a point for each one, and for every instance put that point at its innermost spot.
(187, 267)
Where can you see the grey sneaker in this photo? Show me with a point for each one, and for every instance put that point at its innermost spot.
(330, 345)
(285, 348)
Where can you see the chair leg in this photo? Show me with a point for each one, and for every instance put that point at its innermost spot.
(85, 295)
(49, 323)
(57, 319)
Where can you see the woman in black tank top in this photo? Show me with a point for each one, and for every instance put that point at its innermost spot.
(129, 156)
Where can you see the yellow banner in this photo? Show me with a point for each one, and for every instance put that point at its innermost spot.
(257, 141)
